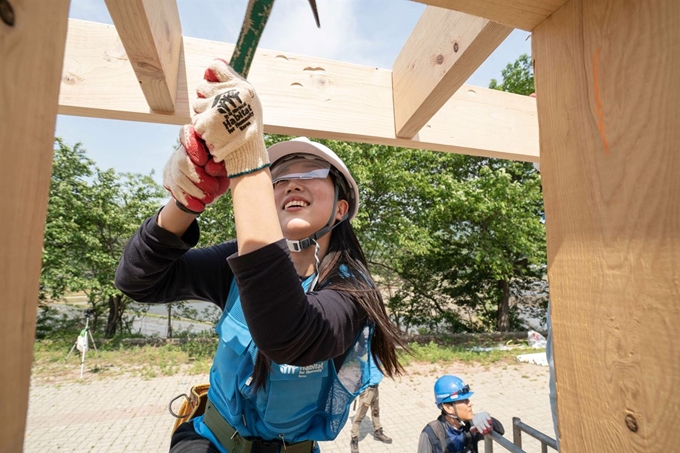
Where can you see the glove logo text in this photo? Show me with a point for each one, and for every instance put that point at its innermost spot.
(237, 114)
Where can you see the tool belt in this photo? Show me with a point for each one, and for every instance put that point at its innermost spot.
(192, 406)
(197, 403)
(234, 443)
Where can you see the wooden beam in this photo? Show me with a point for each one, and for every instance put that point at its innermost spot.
(606, 84)
(300, 95)
(32, 54)
(443, 51)
(522, 14)
(152, 36)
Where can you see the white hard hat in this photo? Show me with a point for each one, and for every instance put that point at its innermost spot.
(302, 145)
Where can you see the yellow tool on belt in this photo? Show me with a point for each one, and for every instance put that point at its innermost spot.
(192, 406)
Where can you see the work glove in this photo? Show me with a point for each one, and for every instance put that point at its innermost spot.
(481, 422)
(191, 175)
(228, 117)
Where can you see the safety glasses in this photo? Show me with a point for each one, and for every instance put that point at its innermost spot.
(300, 167)
(462, 391)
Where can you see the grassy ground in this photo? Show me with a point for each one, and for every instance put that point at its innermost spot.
(482, 353)
(115, 358)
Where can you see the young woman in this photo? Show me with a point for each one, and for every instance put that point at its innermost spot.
(302, 319)
(458, 429)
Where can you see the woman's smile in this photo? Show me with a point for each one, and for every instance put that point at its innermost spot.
(295, 204)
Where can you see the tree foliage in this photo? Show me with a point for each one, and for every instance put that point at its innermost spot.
(518, 77)
(91, 214)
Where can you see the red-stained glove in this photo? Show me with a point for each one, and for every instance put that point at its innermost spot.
(481, 422)
(228, 117)
(191, 175)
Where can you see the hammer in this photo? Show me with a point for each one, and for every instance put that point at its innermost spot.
(256, 18)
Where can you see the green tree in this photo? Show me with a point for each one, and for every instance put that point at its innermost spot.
(518, 77)
(91, 214)
(71, 170)
(488, 243)
(217, 222)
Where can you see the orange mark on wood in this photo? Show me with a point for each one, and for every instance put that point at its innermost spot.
(598, 102)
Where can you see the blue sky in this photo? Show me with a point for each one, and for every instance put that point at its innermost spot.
(366, 32)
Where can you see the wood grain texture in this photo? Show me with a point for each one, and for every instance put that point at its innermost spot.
(300, 96)
(152, 36)
(31, 56)
(607, 76)
(445, 48)
(523, 14)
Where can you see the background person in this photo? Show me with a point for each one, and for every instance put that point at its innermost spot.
(458, 428)
(369, 398)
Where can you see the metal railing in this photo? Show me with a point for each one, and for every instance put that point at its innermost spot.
(493, 436)
(518, 427)
(516, 445)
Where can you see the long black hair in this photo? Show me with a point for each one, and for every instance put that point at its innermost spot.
(344, 249)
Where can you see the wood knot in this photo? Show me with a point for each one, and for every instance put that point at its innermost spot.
(440, 59)
(631, 423)
(455, 47)
(71, 79)
(7, 12)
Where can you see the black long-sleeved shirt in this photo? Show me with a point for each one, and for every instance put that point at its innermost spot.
(286, 324)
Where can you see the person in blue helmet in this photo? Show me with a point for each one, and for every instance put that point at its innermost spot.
(457, 429)
(302, 317)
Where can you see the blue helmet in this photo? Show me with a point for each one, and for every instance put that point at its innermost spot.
(449, 389)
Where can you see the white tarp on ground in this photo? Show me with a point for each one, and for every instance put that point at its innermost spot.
(536, 340)
(538, 358)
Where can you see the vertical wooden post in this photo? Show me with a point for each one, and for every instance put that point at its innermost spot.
(608, 92)
(31, 58)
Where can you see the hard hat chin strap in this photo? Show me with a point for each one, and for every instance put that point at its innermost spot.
(455, 417)
(298, 246)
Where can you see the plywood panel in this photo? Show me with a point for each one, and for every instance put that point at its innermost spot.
(31, 56)
(445, 48)
(606, 81)
(300, 96)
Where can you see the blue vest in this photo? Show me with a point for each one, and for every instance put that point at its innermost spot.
(376, 375)
(444, 438)
(296, 403)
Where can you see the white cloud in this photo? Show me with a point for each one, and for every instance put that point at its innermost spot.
(292, 28)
